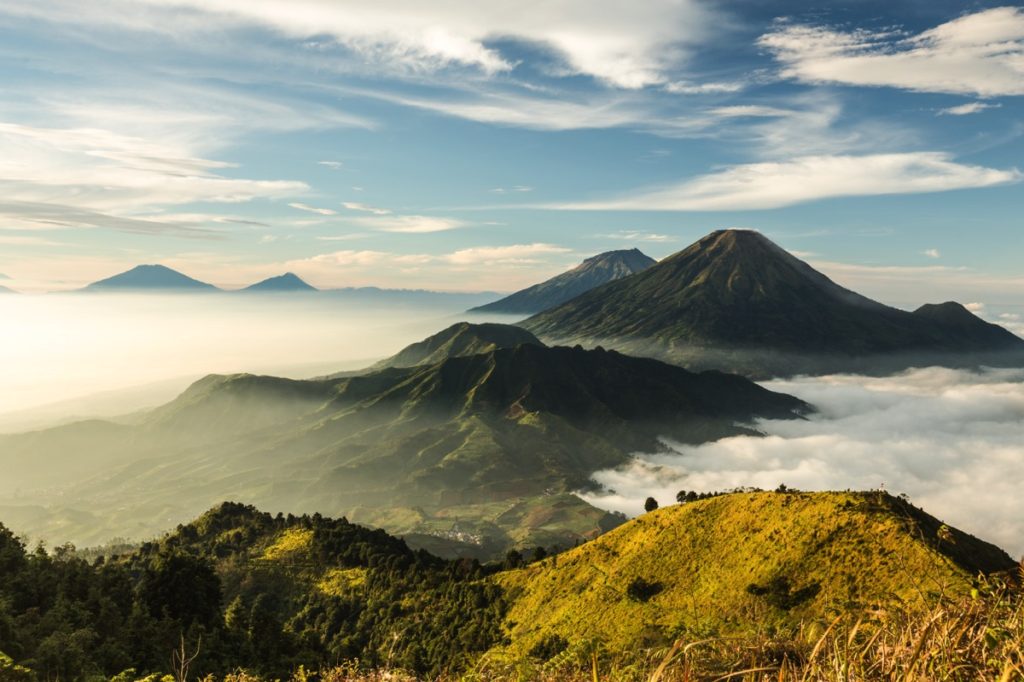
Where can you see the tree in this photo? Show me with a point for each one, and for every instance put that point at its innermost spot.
(650, 504)
(183, 587)
(681, 496)
(513, 559)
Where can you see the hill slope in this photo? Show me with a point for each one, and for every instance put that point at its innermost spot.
(287, 282)
(264, 592)
(739, 562)
(459, 340)
(484, 449)
(594, 271)
(150, 278)
(735, 299)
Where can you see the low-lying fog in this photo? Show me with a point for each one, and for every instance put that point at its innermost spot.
(98, 355)
(952, 440)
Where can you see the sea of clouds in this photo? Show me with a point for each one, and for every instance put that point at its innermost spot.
(953, 440)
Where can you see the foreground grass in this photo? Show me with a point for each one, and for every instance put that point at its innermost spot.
(979, 637)
(976, 638)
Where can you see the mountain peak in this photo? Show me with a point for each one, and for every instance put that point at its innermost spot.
(736, 293)
(460, 340)
(150, 277)
(592, 272)
(289, 281)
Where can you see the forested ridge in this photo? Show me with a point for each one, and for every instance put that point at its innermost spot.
(243, 589)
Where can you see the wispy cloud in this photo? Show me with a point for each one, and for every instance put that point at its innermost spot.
(312, 209)
(711, 87)
(624, 44)
(785, 183)
(503, 255)
(531, 111)
(91, 177)
(473, 268)
(977, 54)
(342, 237)
(966, 109)
(365, 208)
(333, 165)
(410, 224)
(639, 236)
(932, 253)
(386, 220)
(514, 188)
(27, 240)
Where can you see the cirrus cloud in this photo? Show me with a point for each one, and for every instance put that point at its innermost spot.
(621, 43)
(809, 178)
(977, 54)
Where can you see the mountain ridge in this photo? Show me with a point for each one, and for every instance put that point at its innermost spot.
(458, 340)
(734, 292)
(499, 440)
(594, 271)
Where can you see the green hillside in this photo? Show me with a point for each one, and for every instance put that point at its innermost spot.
(243, 589)
(741, 563)
(753, 578)
(458, 341)
(736, 301)
(484, 449)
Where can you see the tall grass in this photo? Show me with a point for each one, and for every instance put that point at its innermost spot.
(976, 638)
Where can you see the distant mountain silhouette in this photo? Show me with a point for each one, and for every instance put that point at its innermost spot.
(594, 271)
(150, 278)
(287, 282)
(735, 292)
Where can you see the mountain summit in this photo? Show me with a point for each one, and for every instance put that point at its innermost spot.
(289, 281)
(736, 291)
(149, 278)
(594, 271)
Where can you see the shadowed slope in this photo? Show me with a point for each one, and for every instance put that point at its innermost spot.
(498, 440)
(736, 291)
(594, 271)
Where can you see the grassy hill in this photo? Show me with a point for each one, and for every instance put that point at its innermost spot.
(740, 564)
(484, 449)
(792, 585)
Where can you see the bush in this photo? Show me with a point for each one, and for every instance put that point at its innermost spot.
(640, 590)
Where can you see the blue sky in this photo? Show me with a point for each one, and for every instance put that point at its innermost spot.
(464, 145)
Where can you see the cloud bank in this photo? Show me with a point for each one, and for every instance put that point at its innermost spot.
(953, 440)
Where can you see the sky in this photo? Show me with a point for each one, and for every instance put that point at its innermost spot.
(466, 146)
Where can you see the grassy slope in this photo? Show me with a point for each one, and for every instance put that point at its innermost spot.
(858, 548)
